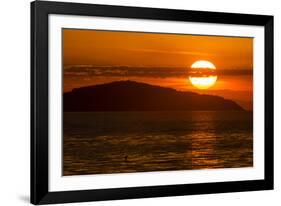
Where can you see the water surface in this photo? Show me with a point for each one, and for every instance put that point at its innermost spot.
(114, 142)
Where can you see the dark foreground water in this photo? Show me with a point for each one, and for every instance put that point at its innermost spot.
(113, 142)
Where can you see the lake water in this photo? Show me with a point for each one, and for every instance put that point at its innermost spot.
(114, 142)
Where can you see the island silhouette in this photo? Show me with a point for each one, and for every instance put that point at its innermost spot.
(137, 96)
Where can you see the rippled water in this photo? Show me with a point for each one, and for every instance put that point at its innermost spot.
(114, 142)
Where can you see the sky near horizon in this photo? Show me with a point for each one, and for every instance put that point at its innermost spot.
(94, 57)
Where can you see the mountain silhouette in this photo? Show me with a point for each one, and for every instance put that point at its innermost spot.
(136, 96)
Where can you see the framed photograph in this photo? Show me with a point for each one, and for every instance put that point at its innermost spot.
(131, 102)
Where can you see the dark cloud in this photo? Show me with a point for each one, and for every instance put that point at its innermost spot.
(153, 72)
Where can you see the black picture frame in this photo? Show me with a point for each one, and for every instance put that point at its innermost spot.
(39, 102)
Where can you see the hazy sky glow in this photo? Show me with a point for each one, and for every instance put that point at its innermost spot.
(93, 57)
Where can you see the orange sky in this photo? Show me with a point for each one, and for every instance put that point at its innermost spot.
(92, 57)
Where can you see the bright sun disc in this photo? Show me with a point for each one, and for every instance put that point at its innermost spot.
(203, 64)
(203, 82)
(202, 74)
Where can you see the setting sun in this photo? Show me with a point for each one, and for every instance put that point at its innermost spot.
(202, 74)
